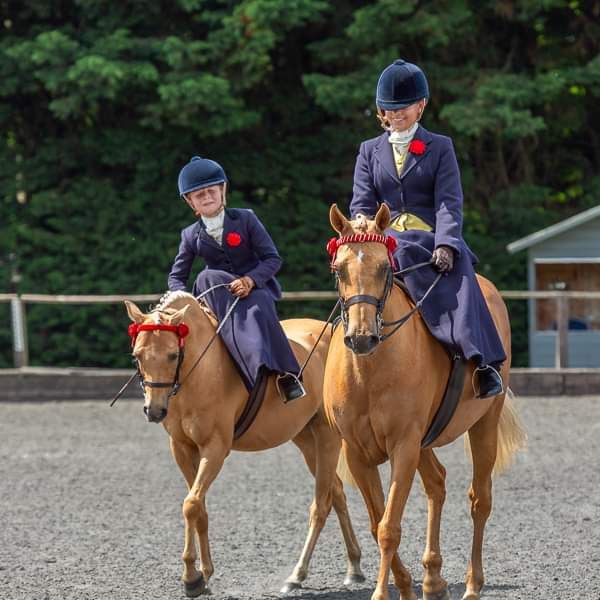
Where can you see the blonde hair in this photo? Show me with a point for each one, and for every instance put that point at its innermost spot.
(386, 125)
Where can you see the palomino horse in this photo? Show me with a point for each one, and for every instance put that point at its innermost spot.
(384, 402)
(200, 420)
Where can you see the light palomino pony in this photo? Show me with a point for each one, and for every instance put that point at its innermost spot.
(384, 402)
(200, 421)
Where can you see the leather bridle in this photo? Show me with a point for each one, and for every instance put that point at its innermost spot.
(378, 303)
(181, 331)
(390, 243)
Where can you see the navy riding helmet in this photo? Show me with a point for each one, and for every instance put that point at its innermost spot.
(200, 173)
(400, 85)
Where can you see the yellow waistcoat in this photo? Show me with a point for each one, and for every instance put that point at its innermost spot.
(406, 221)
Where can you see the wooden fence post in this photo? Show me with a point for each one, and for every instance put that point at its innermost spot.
(561, 353)
(19, 331)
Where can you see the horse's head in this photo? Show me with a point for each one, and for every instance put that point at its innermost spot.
(158, 347)
(361, 259)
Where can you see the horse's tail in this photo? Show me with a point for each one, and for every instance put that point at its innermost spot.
(343, 470)
(512, 436)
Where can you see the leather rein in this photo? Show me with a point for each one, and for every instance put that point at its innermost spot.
(345, 303)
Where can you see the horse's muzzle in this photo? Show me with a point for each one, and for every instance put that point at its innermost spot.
(361, 344)
(155, 415)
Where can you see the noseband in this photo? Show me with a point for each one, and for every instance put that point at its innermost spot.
(181, 331)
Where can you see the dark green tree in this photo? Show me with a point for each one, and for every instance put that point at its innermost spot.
(101, 103)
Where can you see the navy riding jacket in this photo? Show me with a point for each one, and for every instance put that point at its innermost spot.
(429, 186)
(247, 249)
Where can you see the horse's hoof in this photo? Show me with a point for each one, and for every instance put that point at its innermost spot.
(354, 578)
(290, 586)
(471, 596)
(196, 588)
(443, 595)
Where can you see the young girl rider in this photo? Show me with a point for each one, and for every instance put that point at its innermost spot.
(238, 252)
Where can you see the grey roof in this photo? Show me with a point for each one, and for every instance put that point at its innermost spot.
(556, 229)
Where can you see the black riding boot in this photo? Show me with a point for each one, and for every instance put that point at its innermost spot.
(490, 382)
(290, 387)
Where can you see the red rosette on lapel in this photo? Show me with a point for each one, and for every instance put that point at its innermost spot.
(233, 239)
(417, 147)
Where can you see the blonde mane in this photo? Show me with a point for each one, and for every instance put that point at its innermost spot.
(168, 298)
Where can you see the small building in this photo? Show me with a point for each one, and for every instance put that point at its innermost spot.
(564, 257)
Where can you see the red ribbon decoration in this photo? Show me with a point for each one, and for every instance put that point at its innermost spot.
(180, 330)
(360, 238)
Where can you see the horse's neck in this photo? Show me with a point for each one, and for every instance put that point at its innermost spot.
(397, 304)
(216, 368)
(202, 329)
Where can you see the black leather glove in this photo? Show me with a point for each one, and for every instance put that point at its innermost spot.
(443, 258)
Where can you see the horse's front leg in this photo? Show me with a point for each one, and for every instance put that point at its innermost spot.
(209, 462)
(404, 459)
(368, 480)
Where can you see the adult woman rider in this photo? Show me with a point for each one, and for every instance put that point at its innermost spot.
(415, 172)
(239, 253)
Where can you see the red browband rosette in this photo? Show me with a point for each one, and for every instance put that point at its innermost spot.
(358, 238)
(180, 330)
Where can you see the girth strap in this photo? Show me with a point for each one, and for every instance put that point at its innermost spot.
(255, 400)
(449, 403)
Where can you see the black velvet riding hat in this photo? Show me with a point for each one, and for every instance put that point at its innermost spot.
(400, 85)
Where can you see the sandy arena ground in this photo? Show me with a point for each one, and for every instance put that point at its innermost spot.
(90, 500)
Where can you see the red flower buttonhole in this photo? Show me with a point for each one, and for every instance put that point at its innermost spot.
(417, 147)
(233, 239)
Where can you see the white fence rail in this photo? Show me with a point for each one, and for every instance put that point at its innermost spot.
(18, 303)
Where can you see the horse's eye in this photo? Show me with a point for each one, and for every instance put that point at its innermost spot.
(342, 271)
(172, 356)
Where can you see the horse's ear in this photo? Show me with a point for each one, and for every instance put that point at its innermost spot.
(177, 317)
(383, 217)
(338, 220)
(135, 314)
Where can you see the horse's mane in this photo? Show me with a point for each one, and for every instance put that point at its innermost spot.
(169, 297)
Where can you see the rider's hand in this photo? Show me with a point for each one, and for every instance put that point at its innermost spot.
(241, 287)
(443, 258)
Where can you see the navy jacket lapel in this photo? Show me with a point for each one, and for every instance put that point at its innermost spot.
(412, 159)
(230, 223)
(385, 155)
